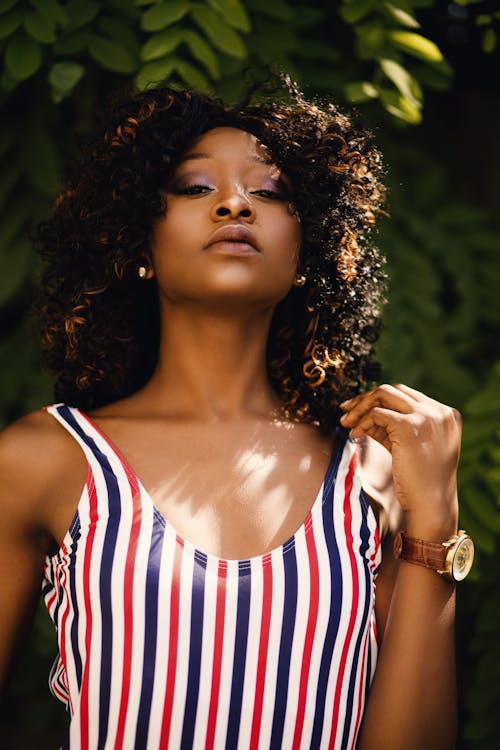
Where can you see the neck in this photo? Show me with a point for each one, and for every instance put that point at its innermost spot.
(212, 364)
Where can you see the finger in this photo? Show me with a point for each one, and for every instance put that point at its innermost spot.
(411, 392)
(386, 396)
(379, 424)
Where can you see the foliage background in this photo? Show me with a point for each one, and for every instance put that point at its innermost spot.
(424, 74)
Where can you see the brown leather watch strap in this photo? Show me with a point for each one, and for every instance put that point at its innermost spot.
(429, 554)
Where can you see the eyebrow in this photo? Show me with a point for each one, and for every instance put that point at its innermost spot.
(201, 155)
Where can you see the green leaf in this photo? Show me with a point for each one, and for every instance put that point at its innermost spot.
(483, 508)
(156, 72)
(219, 33)
(398, 106)
(6, 5)
(233, 12)
(356, 10)
(51, 10)
(192, 76)
(370, 39)
(202, 52)
(483, 19)
(40, 160)
(360, 91)
(164, 14)
(406, 84)
(17, 260)
(73, 42)
(277, 9)
(139, 3)
(431, 77)
(23, 57)
(10, 22)
(12, 222)
(489, 40)
(305, 17)
(121, 32)
(40, 27)
(401, 16)
(112, 55)
(80, 13)
(161, 43)
(65, 75)
(416, 44)
(10, 175)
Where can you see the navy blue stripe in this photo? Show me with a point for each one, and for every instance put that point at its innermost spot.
(240, 654)
(75, 533)
(368, 665)
(105, 573)
(336, 591)
(356, 664)
(195, 647)
(150, 632)
(287, 630)
(55, 616)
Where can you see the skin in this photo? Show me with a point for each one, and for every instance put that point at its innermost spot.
(256, 475)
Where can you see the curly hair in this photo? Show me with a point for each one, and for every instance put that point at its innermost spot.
(100, 323)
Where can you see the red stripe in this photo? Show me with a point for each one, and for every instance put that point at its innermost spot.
(84, 699)
(173, 634)
(220, 611)
(128, 602)
(361, 685)
(265, 623)
(128, 583)
(62, 630)
(355, 598)
(309, 636)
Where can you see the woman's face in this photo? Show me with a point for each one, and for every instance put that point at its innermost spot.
(228, 235)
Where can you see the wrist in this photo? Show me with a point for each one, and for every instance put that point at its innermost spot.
(433, 527)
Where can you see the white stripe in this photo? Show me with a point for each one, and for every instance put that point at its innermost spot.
(94, 662)
(182, 667)
(117, 595)
(302, 614)
(162, 642)
(273, 651)
(207, 652)
(229, 646)
(324, 607)
(139, 631)
(252, 654)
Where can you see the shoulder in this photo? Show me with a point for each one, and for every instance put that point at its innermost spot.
(375, 468)
(35, 452)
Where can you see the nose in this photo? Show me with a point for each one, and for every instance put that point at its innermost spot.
(234, 206)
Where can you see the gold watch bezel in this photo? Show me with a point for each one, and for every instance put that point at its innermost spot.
(454, 544)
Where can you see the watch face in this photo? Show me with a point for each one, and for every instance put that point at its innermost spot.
(463, 558)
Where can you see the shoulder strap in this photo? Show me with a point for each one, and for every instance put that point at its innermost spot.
(86, 434)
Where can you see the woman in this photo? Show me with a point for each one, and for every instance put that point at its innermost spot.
(209, 305)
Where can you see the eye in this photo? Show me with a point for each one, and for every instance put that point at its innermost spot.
(193, 190)
(275, 195)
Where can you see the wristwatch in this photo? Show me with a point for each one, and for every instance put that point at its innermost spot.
(452, 559)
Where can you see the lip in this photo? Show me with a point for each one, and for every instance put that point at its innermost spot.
(230, 236)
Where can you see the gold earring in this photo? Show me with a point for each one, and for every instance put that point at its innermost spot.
(142, 272)
(299, 280)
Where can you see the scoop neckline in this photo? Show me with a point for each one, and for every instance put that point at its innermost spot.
(199, 554)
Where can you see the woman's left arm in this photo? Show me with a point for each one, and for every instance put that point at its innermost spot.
(412, 700)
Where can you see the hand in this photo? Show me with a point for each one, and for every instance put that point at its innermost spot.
(423, 437)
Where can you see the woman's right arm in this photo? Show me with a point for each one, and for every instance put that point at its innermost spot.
(29, 461)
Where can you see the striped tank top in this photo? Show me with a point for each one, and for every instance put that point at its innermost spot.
(162, 645)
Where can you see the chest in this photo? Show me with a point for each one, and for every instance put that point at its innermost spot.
(229, 496)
